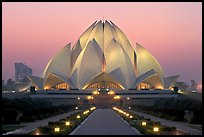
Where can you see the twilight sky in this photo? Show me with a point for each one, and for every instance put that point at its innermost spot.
(34, 32)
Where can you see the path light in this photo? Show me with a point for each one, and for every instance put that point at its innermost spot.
(93, 108)
(37, 133)
(57, 129)
(67, 123)
(128, 98)
(117, 97)
(85, 112)
(78, 116)
(96, 92)
(89, 97)
(127, 114)
(156, 129)
(76, 108)
(144, 123)
(131, 116)
(78, 98)
(129, 107)
(111, 92)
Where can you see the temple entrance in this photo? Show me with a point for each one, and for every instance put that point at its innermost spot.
(103, 100)
(103, 85)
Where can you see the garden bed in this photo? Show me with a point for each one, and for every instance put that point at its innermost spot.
(145, 125)
(64, 126)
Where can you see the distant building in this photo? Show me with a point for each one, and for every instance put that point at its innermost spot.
(21, 72)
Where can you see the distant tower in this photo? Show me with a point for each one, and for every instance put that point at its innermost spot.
(21, 72)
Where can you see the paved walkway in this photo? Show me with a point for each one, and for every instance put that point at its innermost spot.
(104, 122)
(33, 125)
(179, 125)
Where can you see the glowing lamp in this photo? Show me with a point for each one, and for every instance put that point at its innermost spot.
(156, 129)
(67, 123)
(57, 129)
(117, 97)
(89, 97)
(78, 116)
(144, 123)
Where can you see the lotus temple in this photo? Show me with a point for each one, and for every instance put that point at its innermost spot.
(103, 57)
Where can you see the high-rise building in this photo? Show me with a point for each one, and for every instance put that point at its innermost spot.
(21, 72)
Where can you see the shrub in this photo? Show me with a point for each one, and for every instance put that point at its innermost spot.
(51, 123)
(40, 116)
(45, 129)
(169, 129)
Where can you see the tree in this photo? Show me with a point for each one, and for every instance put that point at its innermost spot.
(3, 83)
(10, 82)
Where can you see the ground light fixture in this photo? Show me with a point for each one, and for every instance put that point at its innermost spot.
(89, 97)
(156, 129)
(57, 129)
(96, 92)
(67, 123)
(78, 98)
(37, 133)
(85, 112)
(111, 92)
(92, 108)
(117, 97)
(128, 98)
(144, 123)
(131, 116)
(76, 108)
(78, 116)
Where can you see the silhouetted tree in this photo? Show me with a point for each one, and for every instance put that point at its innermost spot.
(10, 82)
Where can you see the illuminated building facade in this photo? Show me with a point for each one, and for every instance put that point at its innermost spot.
(103, 57)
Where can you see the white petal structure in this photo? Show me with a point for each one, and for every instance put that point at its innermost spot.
(103, 56)
(169, 82)
(145, 62)
(58, 66)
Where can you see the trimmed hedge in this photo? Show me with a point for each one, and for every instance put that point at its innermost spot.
(31, 110)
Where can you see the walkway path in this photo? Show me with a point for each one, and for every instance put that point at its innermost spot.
(179, 125)
(104, 122)
(33, 125)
